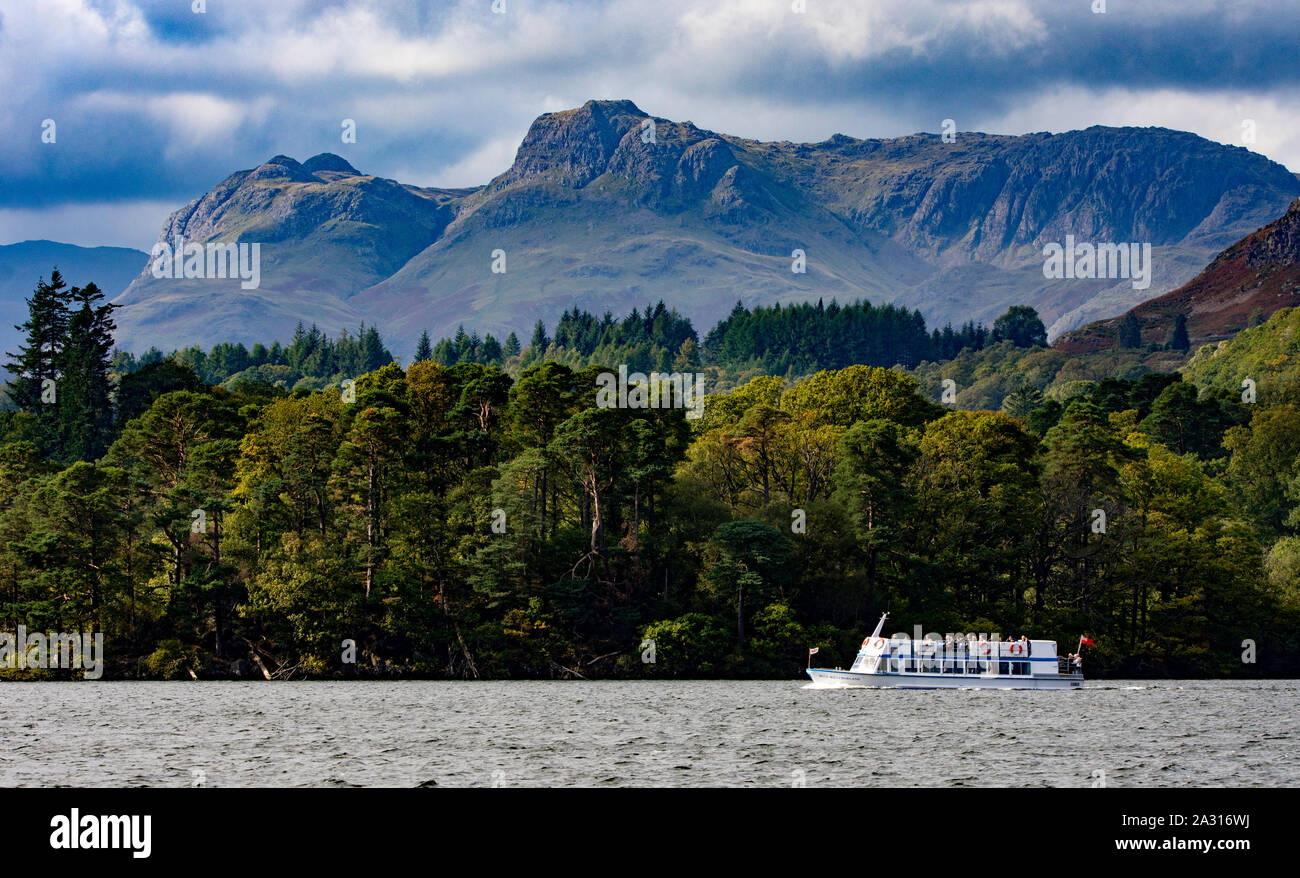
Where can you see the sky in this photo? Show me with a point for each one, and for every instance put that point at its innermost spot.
(153, 102)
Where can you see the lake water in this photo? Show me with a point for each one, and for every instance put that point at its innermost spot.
(645, 733)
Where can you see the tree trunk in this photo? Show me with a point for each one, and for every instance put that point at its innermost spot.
(320, 512)
(740, 615)
(469, 659)
(597, 537)
(372, 481)
(541, 522)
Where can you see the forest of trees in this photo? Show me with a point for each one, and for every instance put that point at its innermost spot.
(457, 521)
(311, 360)
(657, 339)
(791, 340)
(798, 339)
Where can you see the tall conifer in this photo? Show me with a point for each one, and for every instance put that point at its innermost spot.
(37, 359)
(85, 403)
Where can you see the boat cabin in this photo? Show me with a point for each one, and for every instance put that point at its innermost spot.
(958, 657)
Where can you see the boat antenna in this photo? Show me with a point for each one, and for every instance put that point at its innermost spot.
(879, 625)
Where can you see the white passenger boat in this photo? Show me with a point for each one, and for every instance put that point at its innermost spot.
(960, 663)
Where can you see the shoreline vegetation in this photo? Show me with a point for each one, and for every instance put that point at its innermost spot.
(319, 511)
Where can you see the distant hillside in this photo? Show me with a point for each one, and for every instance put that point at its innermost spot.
(606, 207)
(1269, 355)
(1250, 280)
(22, 265)
(326, 232)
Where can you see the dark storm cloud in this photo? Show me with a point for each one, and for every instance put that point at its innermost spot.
(1210, 47)
(155, 102)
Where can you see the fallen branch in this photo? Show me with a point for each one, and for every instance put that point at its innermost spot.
(605, 656)
(469, 659)
(560, 667)
(252, 651)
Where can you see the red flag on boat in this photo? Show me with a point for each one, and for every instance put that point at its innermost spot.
(1084, 641)
(814, 650)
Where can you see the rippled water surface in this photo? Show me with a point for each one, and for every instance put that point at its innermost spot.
(517, 733)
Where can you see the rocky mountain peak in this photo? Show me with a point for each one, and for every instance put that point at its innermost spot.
(573, 147)
(1277, 243)
(668, 166)
(329, 162)
(281, 167)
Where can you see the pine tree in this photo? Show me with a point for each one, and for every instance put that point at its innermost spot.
(45, 329)
(86, 387)
(688, 358)
(297, 350)
(423, 349)
(444, 353)
(373, 353)
(1130, 331)
(1180, 341)
(37, 361)
(540, 342)
(511, 348)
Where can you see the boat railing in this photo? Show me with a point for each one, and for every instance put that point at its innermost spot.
(1068, 667)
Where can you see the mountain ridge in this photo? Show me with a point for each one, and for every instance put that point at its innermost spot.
(606, 207)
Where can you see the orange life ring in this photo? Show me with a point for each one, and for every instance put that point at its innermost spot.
(880, 643)
(1017, 648)
(984, 647)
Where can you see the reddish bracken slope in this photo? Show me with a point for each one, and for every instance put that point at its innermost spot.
(1261, 272)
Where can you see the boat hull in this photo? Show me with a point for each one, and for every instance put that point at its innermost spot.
(825, 678)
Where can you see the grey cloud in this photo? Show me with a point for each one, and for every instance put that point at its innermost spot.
(116, 145)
